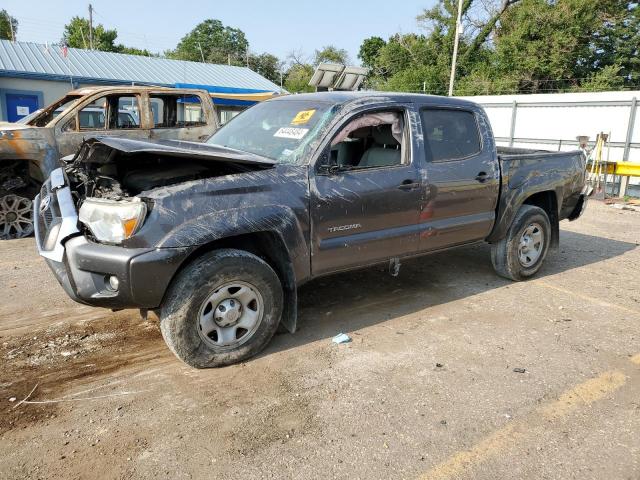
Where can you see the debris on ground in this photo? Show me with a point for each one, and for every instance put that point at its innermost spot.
(519, 370)
(341, 338)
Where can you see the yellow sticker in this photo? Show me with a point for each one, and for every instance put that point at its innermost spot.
(302, 117)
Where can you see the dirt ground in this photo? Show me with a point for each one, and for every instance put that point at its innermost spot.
(427, 389)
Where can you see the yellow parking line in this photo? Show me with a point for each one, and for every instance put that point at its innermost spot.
(597, 301)
(582, 395)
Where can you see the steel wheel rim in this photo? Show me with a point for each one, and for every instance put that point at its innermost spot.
(531, 245)
(236, 322)
(16, 217)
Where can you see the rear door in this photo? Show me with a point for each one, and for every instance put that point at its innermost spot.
(462, 177)
(180, 116)
(366, 209)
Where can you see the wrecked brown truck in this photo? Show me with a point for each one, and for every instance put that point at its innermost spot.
(217, 237)
(31, 148)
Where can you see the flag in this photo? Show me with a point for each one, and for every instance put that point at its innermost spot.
(65, 50)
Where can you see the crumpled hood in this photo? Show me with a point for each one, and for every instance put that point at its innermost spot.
(183, 149)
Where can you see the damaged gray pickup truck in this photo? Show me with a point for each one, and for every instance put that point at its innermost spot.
(216, 237)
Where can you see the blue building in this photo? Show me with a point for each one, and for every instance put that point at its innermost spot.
(34, 75)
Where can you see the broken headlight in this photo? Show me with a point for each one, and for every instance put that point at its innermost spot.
(112, 221)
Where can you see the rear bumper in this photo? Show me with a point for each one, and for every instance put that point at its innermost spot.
(143, 275)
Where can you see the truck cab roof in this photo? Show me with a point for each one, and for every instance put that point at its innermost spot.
(343, 97)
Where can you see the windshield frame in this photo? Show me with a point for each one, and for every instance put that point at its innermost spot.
(303, 153)
(67, 100)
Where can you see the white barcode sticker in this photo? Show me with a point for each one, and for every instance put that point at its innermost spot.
(291, 132)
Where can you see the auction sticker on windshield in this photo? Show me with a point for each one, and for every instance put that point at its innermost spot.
(302, 117)
(291, 132)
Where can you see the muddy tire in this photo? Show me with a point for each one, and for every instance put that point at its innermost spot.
(521, 253)
(222, 308)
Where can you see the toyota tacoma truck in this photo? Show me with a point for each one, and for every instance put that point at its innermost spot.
(216, 237)
(31, 148)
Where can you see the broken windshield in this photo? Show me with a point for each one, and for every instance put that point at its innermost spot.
(52, 111)
(279, 130)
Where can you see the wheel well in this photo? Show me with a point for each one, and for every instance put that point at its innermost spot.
(266, 245)
(270, 247)
(548, 201)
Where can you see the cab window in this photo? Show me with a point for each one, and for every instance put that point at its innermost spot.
(176, 111)
(110, 112)
(449, 134)
(369, 141)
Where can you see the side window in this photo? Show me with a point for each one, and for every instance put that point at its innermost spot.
(112, 112)
(176, 111)
(449, 134)
(128, 113)
(225, 113)
(369, 141)
(92, 116)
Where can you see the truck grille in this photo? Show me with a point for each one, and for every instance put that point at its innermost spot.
(48, 213)
(55, 215)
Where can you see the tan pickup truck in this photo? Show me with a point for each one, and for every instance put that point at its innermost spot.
(30, 149)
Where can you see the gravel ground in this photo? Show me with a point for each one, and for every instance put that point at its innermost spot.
(452, 373)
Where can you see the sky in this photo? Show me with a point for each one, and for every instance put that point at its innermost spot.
(277, 27)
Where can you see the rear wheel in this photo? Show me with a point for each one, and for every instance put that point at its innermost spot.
(221, 309)
(16, 217)
(521, 253)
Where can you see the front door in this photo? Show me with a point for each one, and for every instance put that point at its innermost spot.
(113, 115)
(19, 106)
(462, 178)
(364, 204)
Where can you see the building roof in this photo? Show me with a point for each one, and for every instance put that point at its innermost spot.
(48, 62)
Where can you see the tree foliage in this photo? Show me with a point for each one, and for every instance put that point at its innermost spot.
(6, 24)
(515, 46)
(267, 65)
(76, 35)
(213, 42)
(297, 79)
(331, 54)
(369, 51)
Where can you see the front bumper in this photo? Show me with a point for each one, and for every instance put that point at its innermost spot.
(83, 267)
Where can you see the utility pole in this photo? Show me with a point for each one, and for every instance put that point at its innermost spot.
(452, 78)
(13, 35)
(201, 52)
(90, 27)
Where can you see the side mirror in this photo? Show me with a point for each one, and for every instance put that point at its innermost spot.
(326, 164)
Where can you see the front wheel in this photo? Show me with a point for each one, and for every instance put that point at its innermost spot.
(521, 253)
(221, 309)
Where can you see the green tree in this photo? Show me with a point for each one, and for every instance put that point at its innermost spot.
(76, 35)
(608, 78)
(370, 50)
(267, 65)
(213, 42)
(297, 79)
(515, 46)
(550, 45)
(331, 54)
(134, 51)
(8, 26)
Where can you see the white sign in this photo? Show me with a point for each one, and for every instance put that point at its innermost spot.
(22, 111)
(291, 132)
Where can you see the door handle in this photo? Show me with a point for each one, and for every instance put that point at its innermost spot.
(409, 185)
(482, 177)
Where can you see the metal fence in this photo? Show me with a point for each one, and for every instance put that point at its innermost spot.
(554, 121)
